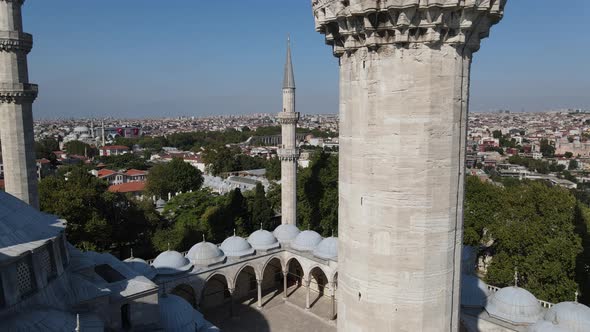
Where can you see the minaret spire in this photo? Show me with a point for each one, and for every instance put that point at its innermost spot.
(289, 77)
(288, 152)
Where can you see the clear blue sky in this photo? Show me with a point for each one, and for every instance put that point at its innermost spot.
(136, 58)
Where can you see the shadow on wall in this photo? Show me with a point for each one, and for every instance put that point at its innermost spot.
(474, 298)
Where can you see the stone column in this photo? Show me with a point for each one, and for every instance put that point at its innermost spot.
(231, 302)
(404, 83)
(307, 283)
(259, 284)
(285, 274)
(332, 301)
(288, 152)
(16, 105)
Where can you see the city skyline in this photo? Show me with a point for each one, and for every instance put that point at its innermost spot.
(151, 60)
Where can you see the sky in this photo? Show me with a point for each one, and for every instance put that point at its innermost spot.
(148, 58)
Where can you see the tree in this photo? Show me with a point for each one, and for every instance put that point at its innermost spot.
(573, 165)
(80, 148)
(273, 169)
(173, 177)
(45, 147)
(260, 209)
(526, 233)
(568, 155)
(497, 134)
(547, 149)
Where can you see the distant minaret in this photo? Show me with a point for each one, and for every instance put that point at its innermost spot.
(288, 152)
(103, 134)
(16, 105)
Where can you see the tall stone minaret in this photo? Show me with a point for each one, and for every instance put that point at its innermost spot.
(16, 105)
(288, 152)
(404, 95)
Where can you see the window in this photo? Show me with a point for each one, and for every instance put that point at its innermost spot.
(48, 261)
(25, 280)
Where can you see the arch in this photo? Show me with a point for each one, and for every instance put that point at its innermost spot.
(186, 292)
(246, 284)
(318, 282)
(317, 266)
(277, 257)
(235, 278)
(272, 277)
(215, 291)
(295, 274)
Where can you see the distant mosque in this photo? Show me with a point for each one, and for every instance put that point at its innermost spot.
(46, 284)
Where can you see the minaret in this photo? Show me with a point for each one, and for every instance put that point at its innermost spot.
(288, 152)
(16, 105)
(404, 93)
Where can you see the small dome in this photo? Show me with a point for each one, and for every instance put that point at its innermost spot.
(235, 246)
(171, 262)
(263, 240)
(205, 253)
(160, 203)
(571, 316)
(176, 314)
(514, 305)
(141, 267)
(545, 326)
(81, 129)
(306, 241)
(327, 249)
(286, 233)
(474, 292)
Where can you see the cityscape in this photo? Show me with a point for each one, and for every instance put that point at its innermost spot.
(403, 211)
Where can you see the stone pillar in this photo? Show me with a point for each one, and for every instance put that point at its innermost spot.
(404, 83)
(16, 105)
(332, 301)
(231, 302)
(285, 274)
(288, 152)
(307, 283)
(259, 284)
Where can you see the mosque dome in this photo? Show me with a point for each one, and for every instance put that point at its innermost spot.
(474, 292)
(141, 267)
(263, 240)
(327, 249)
(84, 136)
(514, 305)
(205, 253)
(171, 262)
(286, 233)
(235, 246)
(160, 203)
(570, 316)
(306, 241)
(176, 314)
(81, 129)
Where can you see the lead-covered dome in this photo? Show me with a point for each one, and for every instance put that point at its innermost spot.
(176, 314)
(286, 233)
(263, 240)
(570, 316)
(141, 267)
(474, 292)
(205, 254)
(514, 305)
(235, 246)
(171, 262)
(306, 241)
(327, 249)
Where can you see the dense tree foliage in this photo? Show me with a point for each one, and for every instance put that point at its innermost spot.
(539, 166)
(125, 161)
(530, 226)
(260, 209)
(173, 177)
(45, 147)
(223, 160)
(97, 219)
(81, 149)
(547, 149)
(317, 194)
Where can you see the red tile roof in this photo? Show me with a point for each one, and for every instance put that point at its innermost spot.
(133, 172)
(105, 172)
(128, 187)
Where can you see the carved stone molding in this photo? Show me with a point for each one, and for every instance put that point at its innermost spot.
(288, 154)
(288, 117)
(350, 25)
(18, 93)
(12, 41)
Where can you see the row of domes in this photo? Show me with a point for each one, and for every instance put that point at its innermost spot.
(519, 307)
(208, 254)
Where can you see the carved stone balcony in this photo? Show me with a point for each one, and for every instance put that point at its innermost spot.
(18, 93)
(288, 117)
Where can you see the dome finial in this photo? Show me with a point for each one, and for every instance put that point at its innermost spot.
(576, 294)
(77, 323)
(204, 237)
(260, 226)
(168, 246)
(234, 232)
(516, 277)
(131, 253)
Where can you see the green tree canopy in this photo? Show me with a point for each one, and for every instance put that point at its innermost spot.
(173, 177)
